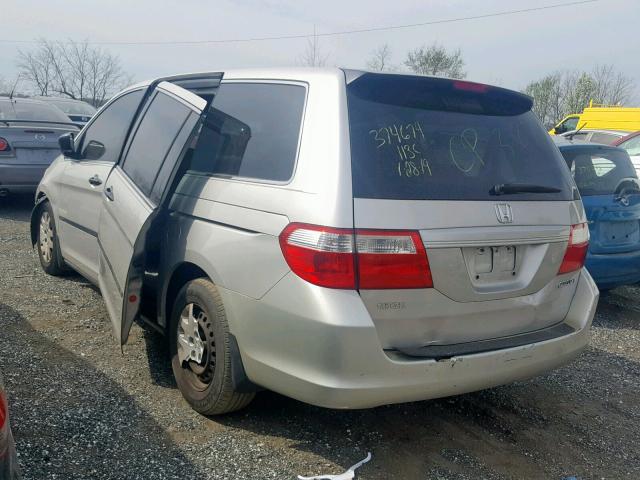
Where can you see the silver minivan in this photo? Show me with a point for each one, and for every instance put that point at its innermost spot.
(345, 238)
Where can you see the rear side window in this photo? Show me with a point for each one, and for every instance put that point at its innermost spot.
(252, 130)
(420, 138)
(104, 137)
(154, 136)
(599, 171)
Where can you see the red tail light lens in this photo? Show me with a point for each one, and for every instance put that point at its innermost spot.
(577, 248)
(320, 255)
(3, 411)
(328, 257)
(4, 145)
(391, 259)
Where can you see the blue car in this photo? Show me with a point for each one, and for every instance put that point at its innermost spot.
(610, 192)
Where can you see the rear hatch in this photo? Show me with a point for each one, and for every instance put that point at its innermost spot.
(608, 183)
(470, 169)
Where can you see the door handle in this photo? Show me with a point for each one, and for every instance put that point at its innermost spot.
(108, 192)
(95, 181)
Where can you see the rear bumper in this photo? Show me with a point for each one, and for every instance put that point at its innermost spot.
(614, 270)
(20, 177)
(324, 350)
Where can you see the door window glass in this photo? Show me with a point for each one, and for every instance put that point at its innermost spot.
(153, 138)
(252, 131)
(570, 124)
(104, 138)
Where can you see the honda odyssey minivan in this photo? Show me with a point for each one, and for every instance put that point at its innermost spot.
(345, 238)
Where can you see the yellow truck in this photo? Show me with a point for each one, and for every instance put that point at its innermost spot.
(600, 117)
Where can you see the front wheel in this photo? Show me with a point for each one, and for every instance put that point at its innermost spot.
(200, 350)
(48, 244)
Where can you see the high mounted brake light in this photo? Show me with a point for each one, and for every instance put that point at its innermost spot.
(470, 86)
(356, 259)
(576, 252)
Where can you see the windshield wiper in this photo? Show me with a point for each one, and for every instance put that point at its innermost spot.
(509, 188)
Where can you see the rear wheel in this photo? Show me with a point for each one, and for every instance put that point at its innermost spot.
(200, 350)
(47, 243)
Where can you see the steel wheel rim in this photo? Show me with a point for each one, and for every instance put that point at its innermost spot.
(46, 237)
(196, 346)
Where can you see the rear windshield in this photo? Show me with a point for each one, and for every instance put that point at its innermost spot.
(31, 110)
(424, 138)
(598, 171)
(74, 108)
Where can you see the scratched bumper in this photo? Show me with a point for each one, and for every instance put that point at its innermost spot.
(340, 364)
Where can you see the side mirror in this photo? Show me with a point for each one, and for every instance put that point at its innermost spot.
(93, 150)
(558, 130)
(66, 144)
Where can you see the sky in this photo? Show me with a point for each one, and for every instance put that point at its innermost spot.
(509, 51)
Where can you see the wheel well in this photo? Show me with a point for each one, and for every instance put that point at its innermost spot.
(180, 276)
(42, 197)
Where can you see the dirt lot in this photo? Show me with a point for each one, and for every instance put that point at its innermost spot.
(82, 409)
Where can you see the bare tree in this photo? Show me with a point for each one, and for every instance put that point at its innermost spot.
(562, 93)
(611, 87)
(313, 55)
(72, 69)
(380, 59)
(37, 67)
(437, 61)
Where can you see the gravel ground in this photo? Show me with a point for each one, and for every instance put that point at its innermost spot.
(83, 409)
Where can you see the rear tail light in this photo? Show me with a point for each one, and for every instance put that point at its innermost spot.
(3, 411)
(356, 259)
(391, 259)
(577, 248)
(320, 255)
(4, 145)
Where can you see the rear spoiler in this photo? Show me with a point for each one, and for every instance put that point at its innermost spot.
(43, 122)
(436, 93)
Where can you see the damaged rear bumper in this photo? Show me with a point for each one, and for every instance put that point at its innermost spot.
(341, 364)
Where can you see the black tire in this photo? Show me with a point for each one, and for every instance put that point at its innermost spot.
(208, 385)
(47, 242)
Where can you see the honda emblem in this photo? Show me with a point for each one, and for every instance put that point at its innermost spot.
(504, 213)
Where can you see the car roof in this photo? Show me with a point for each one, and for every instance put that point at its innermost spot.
(594, 130)
(303, 74)
(565, 144)
(269, 73)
